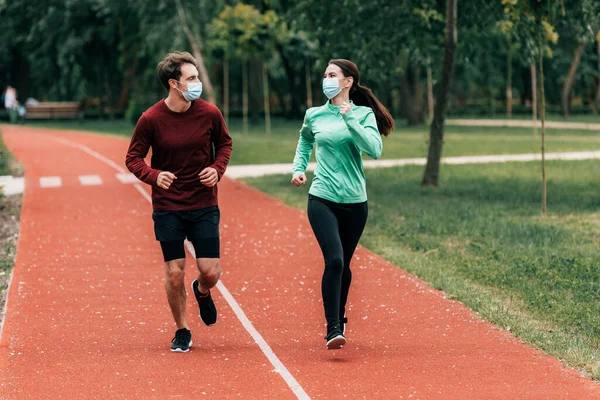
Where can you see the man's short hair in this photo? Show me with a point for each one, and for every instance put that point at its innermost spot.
(170, 66)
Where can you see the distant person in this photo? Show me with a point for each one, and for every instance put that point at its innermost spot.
(11, 104)
(349, 124)
(190, 152)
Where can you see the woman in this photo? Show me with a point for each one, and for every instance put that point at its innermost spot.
(349, 124)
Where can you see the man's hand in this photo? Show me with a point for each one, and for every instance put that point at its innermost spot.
(299, 180)
(165, 179)
(209, 177)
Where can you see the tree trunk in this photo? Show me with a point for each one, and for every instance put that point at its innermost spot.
(509, 81)
(429, 90)
(266, 99)
(226, 89)
(568, 85)
(534, 113)
(309, 96)
(195, 43)
(436, 132)
(294, 111)
(245, 94)
(542, 114)
(411, 95)
(255, 73)
(597, 99)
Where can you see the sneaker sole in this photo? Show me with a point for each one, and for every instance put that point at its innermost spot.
(181, 350)
(336, 343)
(199, 315)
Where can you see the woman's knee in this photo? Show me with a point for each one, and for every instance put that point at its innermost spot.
(335, 263)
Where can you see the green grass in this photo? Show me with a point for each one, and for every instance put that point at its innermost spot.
(256, 147)
(480, 238)
(6, 159)
(9, 212)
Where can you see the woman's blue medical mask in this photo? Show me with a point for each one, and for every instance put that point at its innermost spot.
(331, 87)
(194, 91)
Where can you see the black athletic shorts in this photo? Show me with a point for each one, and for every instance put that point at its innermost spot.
(201, 227)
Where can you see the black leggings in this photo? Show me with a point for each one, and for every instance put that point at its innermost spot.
(338, 228)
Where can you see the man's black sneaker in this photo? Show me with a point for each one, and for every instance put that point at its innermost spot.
(182, 341)
(335, 337)
(208, 311)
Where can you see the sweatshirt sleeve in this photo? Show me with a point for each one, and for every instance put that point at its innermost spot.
(222, 143)
(365, 133)
(143, 137)
(304, 148)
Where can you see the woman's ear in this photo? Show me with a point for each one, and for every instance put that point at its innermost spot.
(349, 82)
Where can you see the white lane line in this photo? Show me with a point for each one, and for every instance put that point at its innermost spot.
(10, 186)
(50, 181)
(91, 152)
(127, 178)
(90, 180)
(260, 341)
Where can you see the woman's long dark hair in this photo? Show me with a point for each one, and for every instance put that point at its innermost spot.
(363, 96)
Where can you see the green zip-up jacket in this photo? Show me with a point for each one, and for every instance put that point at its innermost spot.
(340, 140)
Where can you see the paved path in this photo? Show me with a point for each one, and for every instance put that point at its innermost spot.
(524, 124)
(246, 171)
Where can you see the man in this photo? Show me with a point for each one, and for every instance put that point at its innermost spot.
(190, 152)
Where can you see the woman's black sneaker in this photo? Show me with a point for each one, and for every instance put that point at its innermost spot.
(182, 341)
(206, 305)
(335, 337)
(344, 321)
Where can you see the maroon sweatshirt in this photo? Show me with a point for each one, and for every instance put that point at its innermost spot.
(182, 143)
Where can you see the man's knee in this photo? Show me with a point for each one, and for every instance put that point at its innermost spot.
(210, 270)
(175, 274)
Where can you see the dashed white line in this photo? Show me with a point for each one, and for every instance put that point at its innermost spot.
(50, 181)
(90, 180)
(127, 178)
(10, 186)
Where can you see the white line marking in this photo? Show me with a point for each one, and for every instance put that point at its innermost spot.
(127, 178)
(50, 181)
(90, 180)
(12, 186)
(90, 152)
(260, 341)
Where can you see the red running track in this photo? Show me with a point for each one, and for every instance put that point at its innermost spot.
(87, 316)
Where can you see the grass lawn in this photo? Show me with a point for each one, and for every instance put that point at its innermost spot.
(480, 238)
(406, 142)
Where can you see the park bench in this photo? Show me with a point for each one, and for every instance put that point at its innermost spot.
(52, 110)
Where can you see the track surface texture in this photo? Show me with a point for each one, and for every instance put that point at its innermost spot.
(87, 316)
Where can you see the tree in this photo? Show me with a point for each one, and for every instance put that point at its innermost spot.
(247, 34)
(196, 44)
(534, 17)
(436, 133)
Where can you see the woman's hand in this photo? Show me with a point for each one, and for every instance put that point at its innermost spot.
(345, 108)
(299, 180)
